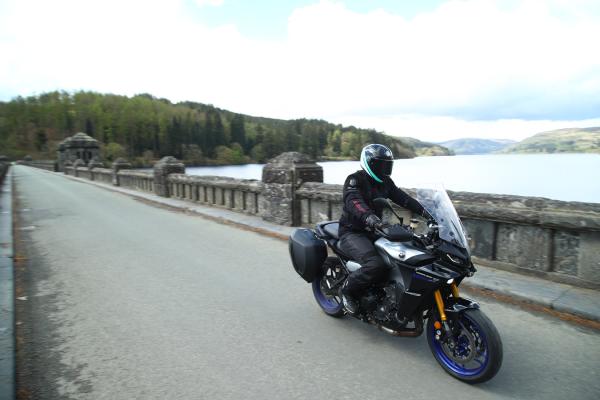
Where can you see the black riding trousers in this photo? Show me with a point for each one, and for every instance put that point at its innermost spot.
(360, 248)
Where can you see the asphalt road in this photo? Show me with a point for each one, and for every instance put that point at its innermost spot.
(123, 300)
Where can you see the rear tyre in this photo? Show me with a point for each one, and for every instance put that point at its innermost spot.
(475, 356)
(326, 287)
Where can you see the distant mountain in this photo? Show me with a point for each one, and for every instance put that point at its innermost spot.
(476, 146)
(570, 140)
(425, 148)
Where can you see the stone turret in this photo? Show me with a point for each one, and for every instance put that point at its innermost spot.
(281, 177)
(78, 146)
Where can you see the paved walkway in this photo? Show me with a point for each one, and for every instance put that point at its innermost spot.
(564, 298)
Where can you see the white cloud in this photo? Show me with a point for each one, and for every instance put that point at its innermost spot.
(472, 60)
(460, 58)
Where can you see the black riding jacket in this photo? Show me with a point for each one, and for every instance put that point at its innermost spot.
(360, 190)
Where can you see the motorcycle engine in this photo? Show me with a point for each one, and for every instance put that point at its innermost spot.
(385, 310)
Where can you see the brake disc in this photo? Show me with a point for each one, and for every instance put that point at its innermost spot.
(453, 347)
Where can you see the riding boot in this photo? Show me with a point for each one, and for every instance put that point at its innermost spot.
(350, 303)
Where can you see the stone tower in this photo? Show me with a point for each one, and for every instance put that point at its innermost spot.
(77, 147)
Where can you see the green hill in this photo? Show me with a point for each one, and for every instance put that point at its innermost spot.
(426, 148)
(476, 146)
(144, 128)
(570, 140)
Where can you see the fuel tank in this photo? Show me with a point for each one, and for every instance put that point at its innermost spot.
(404, 252)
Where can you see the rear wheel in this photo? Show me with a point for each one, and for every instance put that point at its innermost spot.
(474, 353)
(326, 287)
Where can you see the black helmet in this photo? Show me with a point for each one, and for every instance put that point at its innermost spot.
(377, 160)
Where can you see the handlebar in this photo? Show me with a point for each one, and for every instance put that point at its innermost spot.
(395, 232)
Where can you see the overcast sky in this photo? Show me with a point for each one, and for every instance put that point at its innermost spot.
(434, 70)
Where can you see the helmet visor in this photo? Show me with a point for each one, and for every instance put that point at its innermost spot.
(383, 167)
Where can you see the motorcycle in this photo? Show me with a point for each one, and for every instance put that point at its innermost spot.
(422, 290)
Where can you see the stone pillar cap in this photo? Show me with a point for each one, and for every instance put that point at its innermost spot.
(95, 163)
(120, 160)
(291, 157)
(169, 160)
(120, 163)
(292, 167)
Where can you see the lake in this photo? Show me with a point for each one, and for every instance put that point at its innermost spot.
(569, 177)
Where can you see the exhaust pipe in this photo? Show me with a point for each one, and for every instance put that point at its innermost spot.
(402, 333)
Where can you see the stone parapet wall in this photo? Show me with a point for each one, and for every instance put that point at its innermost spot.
(104, 175)
(83, 172)
(319, 202)
(137, 180)
(48, 165)
(528, 210)
(554, 239)
(243, 195)
(4, 166)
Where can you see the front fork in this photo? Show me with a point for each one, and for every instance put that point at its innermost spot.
(442, 313)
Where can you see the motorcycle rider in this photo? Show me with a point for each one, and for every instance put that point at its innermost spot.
(360, 218)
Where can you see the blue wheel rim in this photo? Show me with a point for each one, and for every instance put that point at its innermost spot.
(329, 304)
(481, 359)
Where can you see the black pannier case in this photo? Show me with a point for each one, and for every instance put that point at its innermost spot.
(308, 253)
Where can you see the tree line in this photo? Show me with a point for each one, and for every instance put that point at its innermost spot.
(143, 128)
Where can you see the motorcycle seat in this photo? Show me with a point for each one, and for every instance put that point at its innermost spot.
(329, 229)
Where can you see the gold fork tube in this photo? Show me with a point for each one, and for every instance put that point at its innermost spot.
(440, 304)
(454, 289)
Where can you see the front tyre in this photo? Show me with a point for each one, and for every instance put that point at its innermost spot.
(326, 287)
(475, 353)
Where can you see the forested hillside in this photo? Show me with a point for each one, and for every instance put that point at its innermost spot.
(476, 146)
(144, 128)
(569, 140)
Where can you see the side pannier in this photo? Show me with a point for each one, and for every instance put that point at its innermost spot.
(308, 253)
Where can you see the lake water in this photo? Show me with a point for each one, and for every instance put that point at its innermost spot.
(570, 177)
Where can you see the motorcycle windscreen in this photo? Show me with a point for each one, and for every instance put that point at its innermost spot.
(436, 201)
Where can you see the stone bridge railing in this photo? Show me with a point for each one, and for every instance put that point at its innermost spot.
(4, 166)
(104, 175)
(137, 180)
(552, 239)
(49, 165)
(243, 195)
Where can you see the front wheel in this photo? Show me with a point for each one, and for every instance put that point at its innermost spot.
(326, 286)
(474, 353)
